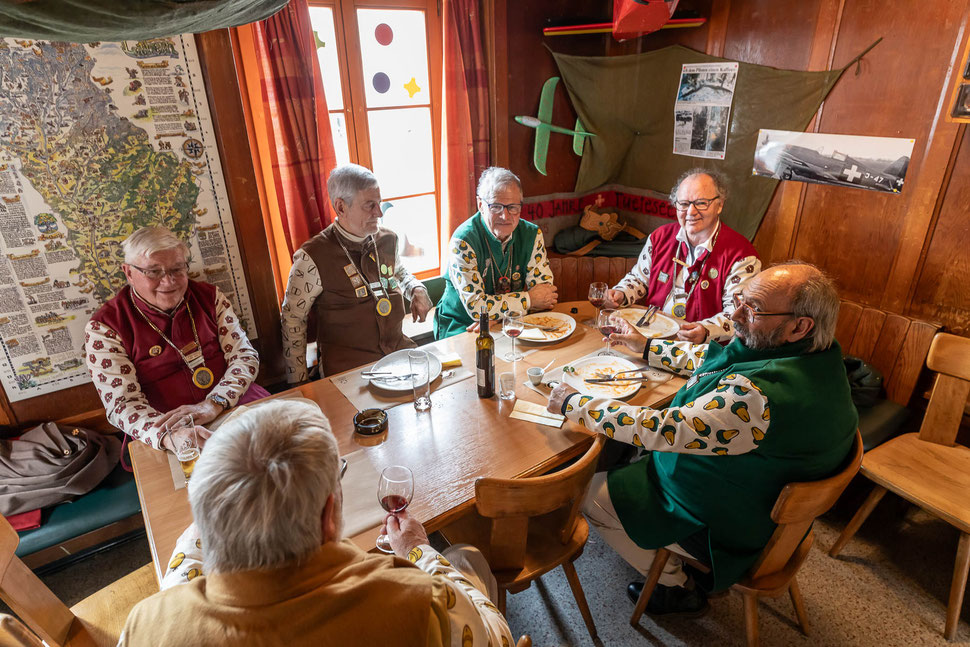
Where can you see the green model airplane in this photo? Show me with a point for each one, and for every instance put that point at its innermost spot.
(543, 127)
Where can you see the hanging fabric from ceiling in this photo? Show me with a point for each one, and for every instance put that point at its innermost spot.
(85, 21)
(628, 101)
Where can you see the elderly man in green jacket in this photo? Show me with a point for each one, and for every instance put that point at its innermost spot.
(770, 408)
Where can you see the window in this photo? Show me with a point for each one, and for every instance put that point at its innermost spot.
(381, 77)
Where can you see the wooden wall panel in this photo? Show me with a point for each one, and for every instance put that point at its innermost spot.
(756, 28)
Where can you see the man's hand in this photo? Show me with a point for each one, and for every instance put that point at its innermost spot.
(543, 296)
(558, 396)
(614, 299)
(201, 412)
(179, 438)
(420, 304)
(693, 332)
(404, 533)
(628, 336)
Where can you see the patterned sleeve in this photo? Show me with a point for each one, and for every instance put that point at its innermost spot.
(464, 275)
(114, 377)
(679, 357)
(538, 270)
(302, 288)
(186, 561)
(729, 420)
(634, 284)
(474, 620)
(242, 360)
(719, 327)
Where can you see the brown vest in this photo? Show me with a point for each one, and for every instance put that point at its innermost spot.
(349, 331)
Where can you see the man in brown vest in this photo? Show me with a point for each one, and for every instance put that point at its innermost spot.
(268, 510)
(352, 279)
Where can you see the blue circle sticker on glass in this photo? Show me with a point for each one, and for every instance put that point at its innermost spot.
(381, 82)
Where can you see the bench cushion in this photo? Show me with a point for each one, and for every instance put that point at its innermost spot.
(879, 423)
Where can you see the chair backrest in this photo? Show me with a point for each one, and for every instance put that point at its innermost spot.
(27, 596)
(949, 357)
(573, 274)
(797, 507)
(510, 503)
(894, 344)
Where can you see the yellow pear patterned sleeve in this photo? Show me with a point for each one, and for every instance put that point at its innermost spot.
(729, 420)
(678, 357)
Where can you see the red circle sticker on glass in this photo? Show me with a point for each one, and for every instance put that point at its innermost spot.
(384, 34)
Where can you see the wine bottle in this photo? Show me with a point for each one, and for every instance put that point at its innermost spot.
(485, 359)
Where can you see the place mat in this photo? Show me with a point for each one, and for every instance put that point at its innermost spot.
(531, 412)
(503, 346)
(363, 396)
(361, 509)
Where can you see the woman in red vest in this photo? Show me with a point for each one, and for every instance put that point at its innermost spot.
(691, 270)
(166, 346)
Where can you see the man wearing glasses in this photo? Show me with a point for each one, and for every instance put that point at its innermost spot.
(496, 261)
(692, 269)
(166, 346)
(771, 408)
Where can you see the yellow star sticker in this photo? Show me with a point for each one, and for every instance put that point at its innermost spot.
(412, 87)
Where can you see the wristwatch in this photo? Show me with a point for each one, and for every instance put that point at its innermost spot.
(221, 401)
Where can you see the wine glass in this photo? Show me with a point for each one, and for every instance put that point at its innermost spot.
(597, 297)
(394, 491)
(512, 327)
(606, 325)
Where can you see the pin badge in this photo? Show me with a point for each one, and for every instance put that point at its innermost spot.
(705, 284)
(356, 280)
(361, 292)
(713, 272)
(349, 269)
(663, 277)
(155, 351)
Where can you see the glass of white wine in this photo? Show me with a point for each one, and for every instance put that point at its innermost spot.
(186, 442)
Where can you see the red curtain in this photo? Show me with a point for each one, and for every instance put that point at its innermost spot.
(297, 122)
(465, 128)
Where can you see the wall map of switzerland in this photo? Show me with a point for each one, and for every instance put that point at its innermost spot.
(97, 140)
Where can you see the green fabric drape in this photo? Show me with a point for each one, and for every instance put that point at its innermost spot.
(85, 21)
(628, 101)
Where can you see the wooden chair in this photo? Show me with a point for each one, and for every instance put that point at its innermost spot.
(527, 527)
(96, 621)
(774, 573)
(524, 641)
(929, 468)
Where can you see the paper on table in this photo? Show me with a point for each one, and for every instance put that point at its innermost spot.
(364, 396)
(532, 412)
(361, 510)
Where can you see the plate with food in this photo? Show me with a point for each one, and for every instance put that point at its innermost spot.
(576, 374)
(660, 326)
(562, 327)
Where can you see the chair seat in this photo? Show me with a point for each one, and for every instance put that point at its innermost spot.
(933, 476)
(102, 615)
(545, 551)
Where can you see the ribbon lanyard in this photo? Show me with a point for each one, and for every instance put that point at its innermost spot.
(202, 377)
(680, 310)
(361, 286)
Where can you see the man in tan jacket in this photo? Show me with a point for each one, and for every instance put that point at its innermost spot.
(267, 504)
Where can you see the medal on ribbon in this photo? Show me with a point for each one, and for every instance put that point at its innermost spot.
(383, 306)
(680, 311)
(203, 377)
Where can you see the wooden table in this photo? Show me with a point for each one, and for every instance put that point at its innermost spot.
(459, 440)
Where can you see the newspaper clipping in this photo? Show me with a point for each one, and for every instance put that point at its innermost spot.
(702, 111)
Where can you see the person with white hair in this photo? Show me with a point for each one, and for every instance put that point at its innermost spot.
(496, 261)
(266, 562)
(166, 346)
(352, 280)
(770, 408)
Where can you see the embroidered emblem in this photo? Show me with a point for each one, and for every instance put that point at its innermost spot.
(349, 269)
(663, 277)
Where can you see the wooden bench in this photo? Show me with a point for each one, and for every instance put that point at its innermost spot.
(573, 274)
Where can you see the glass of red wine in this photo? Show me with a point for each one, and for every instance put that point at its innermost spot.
(597, 297)
(607, 326)
(512, 326)
(394, 491)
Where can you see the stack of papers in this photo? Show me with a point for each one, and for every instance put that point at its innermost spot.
(532, 412)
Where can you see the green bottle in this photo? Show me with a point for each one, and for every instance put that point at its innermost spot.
(485, 359)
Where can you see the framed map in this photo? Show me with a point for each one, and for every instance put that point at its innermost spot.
(97, 140)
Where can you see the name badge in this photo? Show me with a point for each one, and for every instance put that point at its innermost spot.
(663, 277)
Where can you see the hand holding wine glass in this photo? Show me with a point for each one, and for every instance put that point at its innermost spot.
(394, 491)
(607, 326)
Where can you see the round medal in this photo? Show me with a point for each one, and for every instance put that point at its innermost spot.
(712, 272)
(680, 311)
(704, 284)
(155, 351)
(203, 377)
(384, 306)
(504, 285)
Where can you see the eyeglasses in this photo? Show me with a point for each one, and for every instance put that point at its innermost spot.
(496, 208)
(343, 467)
(701, 205)
(177, 272)
(752, 311)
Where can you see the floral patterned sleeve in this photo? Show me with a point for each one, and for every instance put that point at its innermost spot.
(464, 275)
(538, 270)
(473, 619)
(634, 284)
(719, 327)
(113, 376)
(679, 357)
(302, 288)
(731, 419)
(242, 360)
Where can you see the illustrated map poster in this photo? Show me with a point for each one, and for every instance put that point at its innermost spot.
(97, 140)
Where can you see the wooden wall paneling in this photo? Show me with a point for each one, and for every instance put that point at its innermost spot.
(225, 104)
(886, 351)
(856, 234)
(911, 359)
(568, 279)
(717, 26)
(585, 275)
(849, 314)
(867, 331)
(601, 269)
(617, 270)
(497, 55)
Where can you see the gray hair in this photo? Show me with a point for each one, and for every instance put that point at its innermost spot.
(494, 179)
(260, 486)
(347, 180)
(149, 240)
(817, 298)
(720, 182)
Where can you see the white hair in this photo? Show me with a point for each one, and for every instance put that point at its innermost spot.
(149, 240)
(494, 179)
(259, 489)
(347, 180)
(720, 183)
(817, 298)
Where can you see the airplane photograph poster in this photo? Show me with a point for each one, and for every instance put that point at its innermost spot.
(874, 163)
(702, 110)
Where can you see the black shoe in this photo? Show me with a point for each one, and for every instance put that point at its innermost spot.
(671, 601)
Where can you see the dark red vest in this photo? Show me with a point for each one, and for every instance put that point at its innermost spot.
(165, 379)
(729, 248)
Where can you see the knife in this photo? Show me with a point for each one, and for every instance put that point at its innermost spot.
(606, 380)
(543, 328)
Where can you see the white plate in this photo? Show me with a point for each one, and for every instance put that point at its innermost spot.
(397, 363)
(566, 324)
(601, 367)
(661, 326)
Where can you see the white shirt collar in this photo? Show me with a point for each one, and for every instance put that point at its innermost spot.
(694, 250)
(346, 234)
